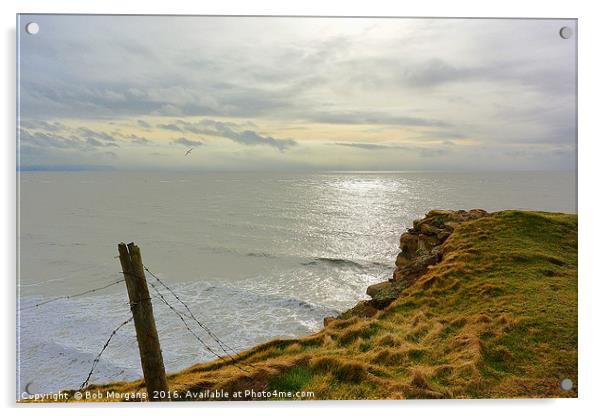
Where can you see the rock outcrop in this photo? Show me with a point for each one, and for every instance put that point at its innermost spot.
(421, 247)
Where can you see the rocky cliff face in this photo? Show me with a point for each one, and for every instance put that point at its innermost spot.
(421, 247)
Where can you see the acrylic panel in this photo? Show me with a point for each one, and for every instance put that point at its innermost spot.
(298, 208)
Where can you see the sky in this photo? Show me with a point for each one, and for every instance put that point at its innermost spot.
(137, 93)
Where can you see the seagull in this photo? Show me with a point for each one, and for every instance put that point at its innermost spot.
(188, 151)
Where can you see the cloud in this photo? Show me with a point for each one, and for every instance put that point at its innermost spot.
(97, 143)
(432, 152)
(249, 137)
(40, 139)
(371, 146)
(49, 140)
(93, 134)
(436, 71)
(375, 118)
(42, 125)
(186, 142)
(109, 155)
(138, 140)
(229, 130)
(427, 81)
(169, 126)
(422, 151)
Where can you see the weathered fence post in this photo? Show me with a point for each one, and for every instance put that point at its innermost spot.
(144, 321)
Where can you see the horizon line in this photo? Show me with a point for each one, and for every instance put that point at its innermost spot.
(111, 169)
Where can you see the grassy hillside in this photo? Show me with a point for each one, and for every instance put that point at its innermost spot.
(496, 317)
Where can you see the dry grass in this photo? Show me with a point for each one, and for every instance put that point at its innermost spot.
(496, 318)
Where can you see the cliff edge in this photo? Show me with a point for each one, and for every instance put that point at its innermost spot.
(421, 248)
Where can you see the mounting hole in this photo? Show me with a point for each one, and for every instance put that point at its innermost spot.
(32, 28)
(31, 388)
(566, 384)
(565, 32)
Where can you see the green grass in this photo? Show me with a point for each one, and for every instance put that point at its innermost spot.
(292, 380)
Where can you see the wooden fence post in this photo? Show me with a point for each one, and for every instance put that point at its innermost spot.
(144, 321)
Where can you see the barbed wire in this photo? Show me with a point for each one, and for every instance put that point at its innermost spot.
(223, 345)
(194, 334)
(71, 296)
(97, 359)
(181, 315)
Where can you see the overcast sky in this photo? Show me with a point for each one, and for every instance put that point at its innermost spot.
(296, 94)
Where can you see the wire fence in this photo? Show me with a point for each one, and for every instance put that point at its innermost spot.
(104, 347)
(223, 351)
(86, 292)
(223, 346)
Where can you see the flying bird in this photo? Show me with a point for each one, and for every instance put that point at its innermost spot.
(188, 151)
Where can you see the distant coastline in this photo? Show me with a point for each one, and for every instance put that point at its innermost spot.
(65, 168)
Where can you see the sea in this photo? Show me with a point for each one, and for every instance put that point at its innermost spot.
(254, 255)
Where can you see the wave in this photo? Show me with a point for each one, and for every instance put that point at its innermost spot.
(50, 365)
(344, 262)
(259, 296)
(333, 261)
(42, 283)
(260, 254)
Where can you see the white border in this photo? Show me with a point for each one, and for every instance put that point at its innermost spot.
(590, 274)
